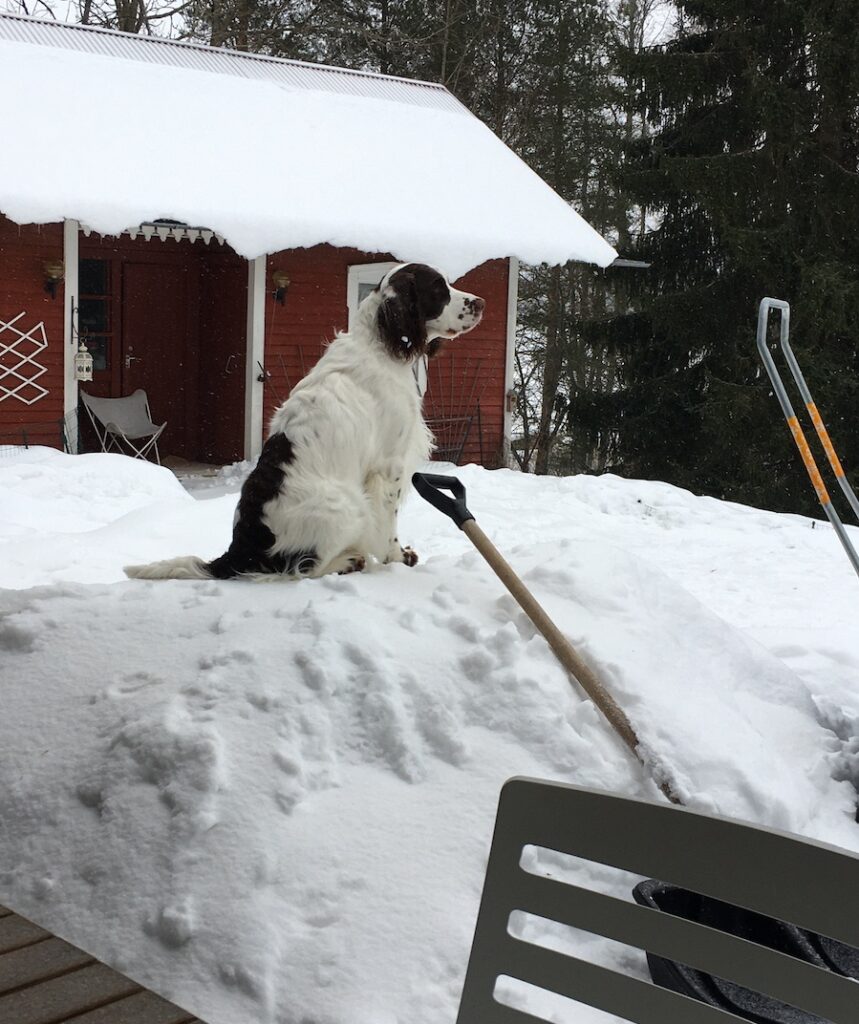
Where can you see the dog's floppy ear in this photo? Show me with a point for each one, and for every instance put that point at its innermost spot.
(401, 326)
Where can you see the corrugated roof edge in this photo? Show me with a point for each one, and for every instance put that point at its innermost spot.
(35, 31)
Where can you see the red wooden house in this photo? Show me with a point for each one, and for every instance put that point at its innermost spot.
(204, 221)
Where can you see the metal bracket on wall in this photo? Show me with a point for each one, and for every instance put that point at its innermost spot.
(795, 428)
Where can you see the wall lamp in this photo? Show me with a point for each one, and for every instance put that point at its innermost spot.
(280, 280)
(54, 271)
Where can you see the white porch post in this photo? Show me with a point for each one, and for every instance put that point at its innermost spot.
(509, 366)
(70, 333)
(254, 358)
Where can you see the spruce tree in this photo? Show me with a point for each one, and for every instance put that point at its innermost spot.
(750, 179)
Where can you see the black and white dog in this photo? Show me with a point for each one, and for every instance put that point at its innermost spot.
(325, 492)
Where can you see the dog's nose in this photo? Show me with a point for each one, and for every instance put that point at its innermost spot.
(477, 305)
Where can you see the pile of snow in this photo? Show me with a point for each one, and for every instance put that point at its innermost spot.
(273, 803)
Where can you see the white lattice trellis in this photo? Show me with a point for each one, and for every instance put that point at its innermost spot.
(17, 379)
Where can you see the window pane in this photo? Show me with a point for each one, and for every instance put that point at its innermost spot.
(93, 316)
(364, 290)
(94, 278)
(98, 349)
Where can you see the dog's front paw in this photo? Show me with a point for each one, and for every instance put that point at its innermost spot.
(410, 557)
(356, 564)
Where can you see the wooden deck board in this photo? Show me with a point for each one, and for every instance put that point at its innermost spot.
(15, 932)
(51, 1002)
(39, 962)
(44, 980)
(141, 1008)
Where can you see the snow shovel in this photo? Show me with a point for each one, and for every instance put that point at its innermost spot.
(431, 487)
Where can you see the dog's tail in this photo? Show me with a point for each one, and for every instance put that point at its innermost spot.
(188, 567)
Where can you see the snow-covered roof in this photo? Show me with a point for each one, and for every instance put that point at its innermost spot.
(115, 129)
(197, 57)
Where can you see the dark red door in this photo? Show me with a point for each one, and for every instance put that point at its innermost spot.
(223, 306)
(158, 350)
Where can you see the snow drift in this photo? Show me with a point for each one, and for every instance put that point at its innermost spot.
(274, 803)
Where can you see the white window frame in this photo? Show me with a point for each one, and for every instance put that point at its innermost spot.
(363, 273)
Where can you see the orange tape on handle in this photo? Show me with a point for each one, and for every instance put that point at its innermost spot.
(825, 439)
(808, 459)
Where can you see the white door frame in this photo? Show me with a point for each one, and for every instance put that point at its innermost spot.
(255, 358)
(71, 230)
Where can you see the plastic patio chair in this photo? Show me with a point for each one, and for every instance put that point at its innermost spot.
(809, 884)
(124, 420)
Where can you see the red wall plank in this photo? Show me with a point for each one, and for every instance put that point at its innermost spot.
(23, 251)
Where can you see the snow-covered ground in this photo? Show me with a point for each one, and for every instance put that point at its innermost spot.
(273, 803)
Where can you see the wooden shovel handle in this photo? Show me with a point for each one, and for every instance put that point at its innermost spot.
(569, 657)
(432, 487)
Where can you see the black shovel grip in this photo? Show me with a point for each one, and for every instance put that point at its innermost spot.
(431, 486)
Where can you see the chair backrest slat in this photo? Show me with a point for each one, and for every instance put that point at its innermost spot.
(765, 970)
(761, 869)
(740, 864)
(502, 1014)
(577, 979)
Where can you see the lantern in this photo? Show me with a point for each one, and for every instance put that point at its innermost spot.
(83, 363)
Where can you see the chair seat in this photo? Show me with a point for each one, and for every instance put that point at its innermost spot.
(135, 435)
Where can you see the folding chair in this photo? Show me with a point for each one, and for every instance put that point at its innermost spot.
(124, 420)
(773, 873)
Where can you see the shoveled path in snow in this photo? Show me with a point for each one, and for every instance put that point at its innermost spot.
(273, 802)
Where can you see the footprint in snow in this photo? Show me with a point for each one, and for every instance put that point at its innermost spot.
(243, 978)
(306, 621)
(168, 748)
(292, 789)
(133, 683)
(440, 728)
(264, 700)
(237, 656)
(408, 620)
(16, 639)
(360, 658)
(313, 672)
(466, 628)
(390, 733)
(305, 756)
